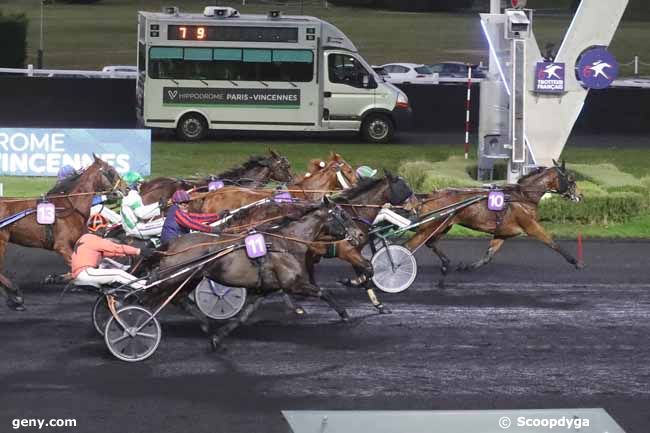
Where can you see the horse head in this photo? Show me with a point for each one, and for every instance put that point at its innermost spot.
(340, 224)
(105, 177)
(564, 182)
(400, 193)
(279, 167)
(346, 174)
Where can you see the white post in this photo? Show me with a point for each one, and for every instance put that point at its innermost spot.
(30, 70)
(636, 66)
(2, 190)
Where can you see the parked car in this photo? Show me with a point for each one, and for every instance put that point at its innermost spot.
(381, 72)
(122, 70)
(408, 73)
(456, 70)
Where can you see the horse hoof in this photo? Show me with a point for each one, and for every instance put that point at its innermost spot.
(580, 266)
(16, 304)
(345, 283)
(205, 328)
(383, 309)
(215, 344)
(300, 311)
(444, 270)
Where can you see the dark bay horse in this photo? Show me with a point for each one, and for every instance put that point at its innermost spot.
(520, 216)
(258, 170)
(282, 269)
(363, 202)
(72, 198)
(313, 187)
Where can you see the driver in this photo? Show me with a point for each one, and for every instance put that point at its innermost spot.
(89, 251)
(180, 221)
(139, 220)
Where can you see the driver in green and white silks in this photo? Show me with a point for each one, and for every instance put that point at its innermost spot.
(386, 213)
(139, 220)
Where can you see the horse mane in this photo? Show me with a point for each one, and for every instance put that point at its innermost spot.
(302, 210)
(236, 172)
(533, 173)
(365, 184)
(65, 185)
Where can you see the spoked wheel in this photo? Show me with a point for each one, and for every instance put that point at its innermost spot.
(395, 269)
(217, 301)
(101, 313)
(126, 341)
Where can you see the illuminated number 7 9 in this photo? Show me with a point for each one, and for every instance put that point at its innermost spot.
(183, 32)
(200, 33)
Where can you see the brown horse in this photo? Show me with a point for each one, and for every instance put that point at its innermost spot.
(364, 202)
(72, 198)
(314, 187)
(520, 216)
(258, 170)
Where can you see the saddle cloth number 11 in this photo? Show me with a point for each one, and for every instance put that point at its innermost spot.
(255, 245)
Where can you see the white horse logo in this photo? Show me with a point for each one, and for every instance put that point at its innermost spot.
(599, 69)
(551, 71)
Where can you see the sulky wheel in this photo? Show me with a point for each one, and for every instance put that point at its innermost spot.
(217, 301)
(101, 313)
(126, 340)
(395, 269)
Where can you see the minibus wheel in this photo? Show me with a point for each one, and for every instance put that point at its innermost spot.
(377, 128)
(192, 127)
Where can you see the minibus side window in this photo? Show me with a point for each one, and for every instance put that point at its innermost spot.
(345, 69)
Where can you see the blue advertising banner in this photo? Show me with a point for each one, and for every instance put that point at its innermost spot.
(42, 152)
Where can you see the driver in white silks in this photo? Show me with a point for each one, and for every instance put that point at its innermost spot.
(139, 220)
(386, 213)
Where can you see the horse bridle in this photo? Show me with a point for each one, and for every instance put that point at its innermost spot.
(335, 213)
(341, 177)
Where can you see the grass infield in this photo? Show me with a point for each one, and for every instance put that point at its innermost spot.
(184, 159)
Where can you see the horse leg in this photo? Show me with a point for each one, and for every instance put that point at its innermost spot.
(235, 322)
(365, 272)
(9, 289)
(444, 260)
(292, 306)
(191, 309)
(13, 293)
(495, 246)
(535, 230)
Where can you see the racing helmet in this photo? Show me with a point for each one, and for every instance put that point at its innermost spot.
(97, 222)
(181, 196)
(65, 171)
(132, 178)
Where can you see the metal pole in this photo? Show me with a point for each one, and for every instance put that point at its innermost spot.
(39, 59)
(636, 66)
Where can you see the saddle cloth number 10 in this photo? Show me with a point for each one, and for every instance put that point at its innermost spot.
(496, 201)
(255, 245)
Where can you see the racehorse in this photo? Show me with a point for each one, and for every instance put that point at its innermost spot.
(520, 216)
(337, 174)
(364, 202)
(281, 269)
(72, 198)
(257, 170)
